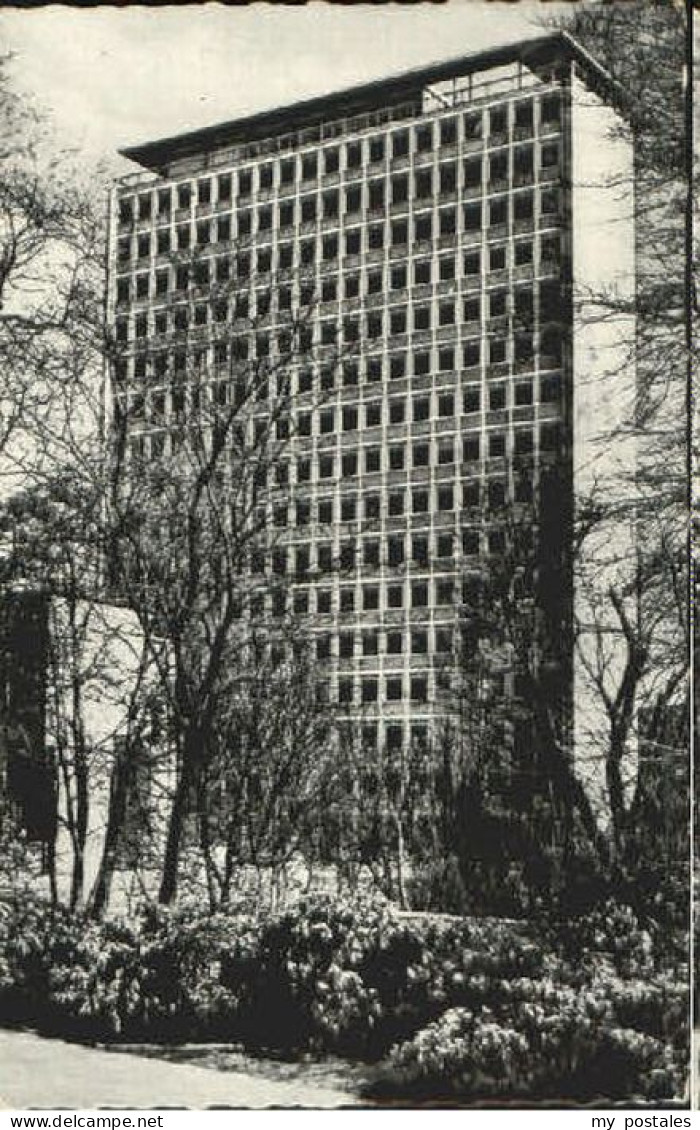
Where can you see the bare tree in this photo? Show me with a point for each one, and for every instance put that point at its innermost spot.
(199, 511)
(272, 763)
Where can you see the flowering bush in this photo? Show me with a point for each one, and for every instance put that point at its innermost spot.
(460, 1006)
(552, 1043)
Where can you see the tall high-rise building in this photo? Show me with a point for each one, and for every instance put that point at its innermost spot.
(444, 232)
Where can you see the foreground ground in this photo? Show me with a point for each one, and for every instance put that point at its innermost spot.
(40, 1072)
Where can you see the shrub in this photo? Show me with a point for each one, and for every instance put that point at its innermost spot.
(452, 999)
(551, 1043)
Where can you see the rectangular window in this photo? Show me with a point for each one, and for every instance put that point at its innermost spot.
(184, 195)
(498, 212)
(522, 206)
(523, 443)
(372, 460)
(424, 184)
(376, 194)
(471, 449)
(395, 551)
(397, 367)
(497, 258)
(446, 404)
(394, 596)
(448, 222)
(399, 190)
(419, 550)
(396, 504)
(446, 360)
(497, 303)
(497, 351)
(472, 173)
(126, 212)
(550, 108)
(374, 325)
(376, 237)
(354, 155)
(447, 313)
(424, 138)
(331, 161)
(473, 127)
(446, 498)
(421, 500)
(309, 166)
(393, 690)
(421, 409)
(472, 217)
(497, 398)
(308, 209)
(376, 149)
(394, 645)
(421, 455)
(422, 272)
(370, 598)
(369, 643)
(448, 131)
(325, 512)
(369, 690)
(400, 144)
(396, 458)
(370, 555)
(349, 464)
(399, 233)
(353, 199)
(419, 594)
(497, 445)
(419, 642)
(419, 688)
(523, 254)
(421, 364)
(470, 543)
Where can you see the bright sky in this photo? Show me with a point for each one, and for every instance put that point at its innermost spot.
(117, 76)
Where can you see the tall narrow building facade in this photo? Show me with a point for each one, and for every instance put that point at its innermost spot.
(437, 233)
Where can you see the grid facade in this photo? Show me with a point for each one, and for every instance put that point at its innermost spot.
(431, 237)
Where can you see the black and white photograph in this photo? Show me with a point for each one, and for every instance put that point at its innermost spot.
(345, 619)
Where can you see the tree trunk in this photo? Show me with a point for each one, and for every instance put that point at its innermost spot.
(81, 824)
(206, 846)
(119, 790)
(401, 864)
(176, 822)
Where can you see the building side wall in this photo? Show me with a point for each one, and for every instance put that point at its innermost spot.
(603, 401)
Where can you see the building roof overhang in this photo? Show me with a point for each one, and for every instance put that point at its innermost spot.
(156, 155)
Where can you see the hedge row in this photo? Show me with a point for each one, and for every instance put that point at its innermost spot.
(463, 1007)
